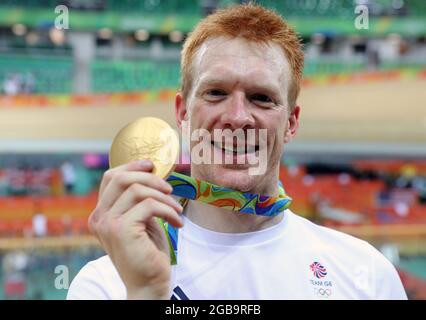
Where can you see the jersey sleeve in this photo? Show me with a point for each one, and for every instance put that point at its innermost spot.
(88, 285)
(388, 282)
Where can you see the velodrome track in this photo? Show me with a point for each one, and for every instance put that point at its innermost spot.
(377, 112)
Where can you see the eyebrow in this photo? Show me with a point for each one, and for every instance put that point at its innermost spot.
(212, 82)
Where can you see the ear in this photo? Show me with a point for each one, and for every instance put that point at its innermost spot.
(293, 125)
(180, 109)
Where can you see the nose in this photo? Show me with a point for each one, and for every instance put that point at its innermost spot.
(237, 113)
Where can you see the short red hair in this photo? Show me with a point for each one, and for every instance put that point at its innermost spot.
(253, 23)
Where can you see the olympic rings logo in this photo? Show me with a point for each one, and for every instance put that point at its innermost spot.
(322, 292)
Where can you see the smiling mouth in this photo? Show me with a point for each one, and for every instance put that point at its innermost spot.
(235, 150)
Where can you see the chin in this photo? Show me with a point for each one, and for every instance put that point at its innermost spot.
(230, 176)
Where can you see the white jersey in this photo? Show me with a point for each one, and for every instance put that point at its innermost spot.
(294, 259)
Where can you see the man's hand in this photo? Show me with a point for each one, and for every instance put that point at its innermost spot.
(124, 221)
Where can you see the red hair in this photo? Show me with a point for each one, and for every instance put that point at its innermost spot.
(253, 23)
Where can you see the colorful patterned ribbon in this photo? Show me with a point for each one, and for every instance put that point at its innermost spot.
(193, 189)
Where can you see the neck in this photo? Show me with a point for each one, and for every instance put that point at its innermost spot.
(227, 221)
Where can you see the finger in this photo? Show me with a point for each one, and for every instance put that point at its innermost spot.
(136, 193)
(138, 165)
(145, 210)
(123, 180)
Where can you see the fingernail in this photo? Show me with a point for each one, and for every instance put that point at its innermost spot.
(169, 188)
(145, 163)
(178, 206)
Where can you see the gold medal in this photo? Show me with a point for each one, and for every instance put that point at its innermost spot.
(146, 139)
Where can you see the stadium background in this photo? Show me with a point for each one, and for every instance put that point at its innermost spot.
(358, 163)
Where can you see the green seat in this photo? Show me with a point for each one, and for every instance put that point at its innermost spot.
(298, 8)
(133, 75)
(51, 75)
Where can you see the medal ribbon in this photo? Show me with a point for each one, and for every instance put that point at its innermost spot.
(189, 188)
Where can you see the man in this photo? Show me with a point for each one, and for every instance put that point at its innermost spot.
(241, 69)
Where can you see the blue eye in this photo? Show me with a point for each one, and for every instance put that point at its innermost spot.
(261, 98)
(216, 92)
(214, 95)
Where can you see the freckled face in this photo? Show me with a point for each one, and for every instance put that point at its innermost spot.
(240, 85)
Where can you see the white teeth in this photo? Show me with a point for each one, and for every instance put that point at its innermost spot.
(239, 149)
